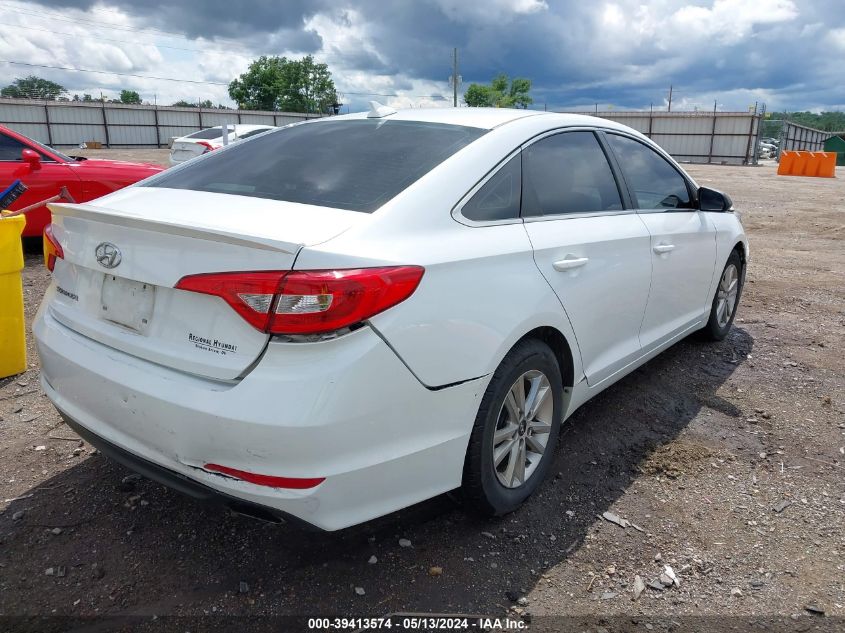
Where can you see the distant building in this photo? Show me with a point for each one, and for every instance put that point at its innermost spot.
(836, 144)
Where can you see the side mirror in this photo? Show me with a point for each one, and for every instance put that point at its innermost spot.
(32, 158)
(712, 200)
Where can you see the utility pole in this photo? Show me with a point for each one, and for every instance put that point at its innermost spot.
(455, 77)
(670, 97)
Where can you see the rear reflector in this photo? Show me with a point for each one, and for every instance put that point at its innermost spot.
(266, 480)
(308, 301)
(52, 248)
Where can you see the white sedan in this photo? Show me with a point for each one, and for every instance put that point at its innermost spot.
(210, 139)
(340, 318)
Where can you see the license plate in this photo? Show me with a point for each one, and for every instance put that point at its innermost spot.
(127, 303)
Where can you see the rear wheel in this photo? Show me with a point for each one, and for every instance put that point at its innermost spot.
(726, 300)
(516, 430)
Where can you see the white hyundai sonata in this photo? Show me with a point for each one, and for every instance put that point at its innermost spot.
(343, 317)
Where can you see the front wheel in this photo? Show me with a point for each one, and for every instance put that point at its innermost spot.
(726, 300)
(516, 430)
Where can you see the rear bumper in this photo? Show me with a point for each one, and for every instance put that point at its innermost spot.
(177, 481)
(345, 410)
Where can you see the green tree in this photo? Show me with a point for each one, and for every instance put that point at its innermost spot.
(33, 87)
(129, 96)
(478, 96)
(501, 93)
(831, 121)
(518, 92)
(207, 104)
(279, 83)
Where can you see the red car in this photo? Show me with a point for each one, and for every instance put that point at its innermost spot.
(44, 171)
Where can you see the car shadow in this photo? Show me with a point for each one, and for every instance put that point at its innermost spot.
(138, 548)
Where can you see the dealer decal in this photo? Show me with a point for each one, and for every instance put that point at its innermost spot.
(212, 344)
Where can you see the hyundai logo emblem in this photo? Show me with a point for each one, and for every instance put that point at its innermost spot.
(107, 254)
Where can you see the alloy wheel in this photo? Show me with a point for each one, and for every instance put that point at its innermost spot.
(522, 431)
(727, 294)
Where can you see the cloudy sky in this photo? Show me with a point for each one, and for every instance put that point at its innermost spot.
(618, 53)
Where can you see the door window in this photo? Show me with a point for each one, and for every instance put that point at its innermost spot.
(567, 173)
(652, 181)
(498, 198)
(10, 149)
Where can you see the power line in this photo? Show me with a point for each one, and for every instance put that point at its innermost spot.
(320, 59)
(105, 25)
(194, 81)
(148, 31)
(112, 72)
(317, 56)
(106, 39)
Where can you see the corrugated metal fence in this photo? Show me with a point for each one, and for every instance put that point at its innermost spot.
(794, 136)
(697, 137)
(61, 123)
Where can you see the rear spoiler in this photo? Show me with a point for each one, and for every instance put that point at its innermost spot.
(208, 232)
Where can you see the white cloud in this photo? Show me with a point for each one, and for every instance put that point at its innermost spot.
(622, 51)
(836, 37)
(729, 21)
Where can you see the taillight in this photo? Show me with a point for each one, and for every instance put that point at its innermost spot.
(308, 301)
(52, 248)
(208, 146)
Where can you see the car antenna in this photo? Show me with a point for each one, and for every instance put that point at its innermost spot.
(379, 111)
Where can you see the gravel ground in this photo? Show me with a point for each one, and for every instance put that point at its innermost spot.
(726, 459)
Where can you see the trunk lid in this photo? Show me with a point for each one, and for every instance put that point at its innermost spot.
(181, 151)
(163, 235)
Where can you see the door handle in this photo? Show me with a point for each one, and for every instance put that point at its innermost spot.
(664, 248)
(569, 263)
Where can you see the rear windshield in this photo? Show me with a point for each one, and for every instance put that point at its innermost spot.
(212, 132)
(356, 164)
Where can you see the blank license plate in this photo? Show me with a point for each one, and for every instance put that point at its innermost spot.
(128, 303)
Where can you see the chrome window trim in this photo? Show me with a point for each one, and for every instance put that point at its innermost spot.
(576, 216)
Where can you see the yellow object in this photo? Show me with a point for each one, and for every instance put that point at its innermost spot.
(12, 331)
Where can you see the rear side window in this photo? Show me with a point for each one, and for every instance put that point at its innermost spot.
(653, 182)
(212, 132)
(567, 173)
(498, 198)
(356, 164)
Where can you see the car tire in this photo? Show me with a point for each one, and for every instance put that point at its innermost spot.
(503, 432)
(725, 299)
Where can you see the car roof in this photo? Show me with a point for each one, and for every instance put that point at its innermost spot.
(485, 118)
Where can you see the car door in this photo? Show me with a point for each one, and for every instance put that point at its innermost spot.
(42, 181)
(592, 249)
(683, 241)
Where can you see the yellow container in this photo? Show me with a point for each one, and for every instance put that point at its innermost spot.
(12, 331)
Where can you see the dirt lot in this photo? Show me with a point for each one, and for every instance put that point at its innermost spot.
(727, 459)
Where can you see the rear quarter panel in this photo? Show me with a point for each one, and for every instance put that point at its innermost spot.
(102, 177)
(481, 291)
